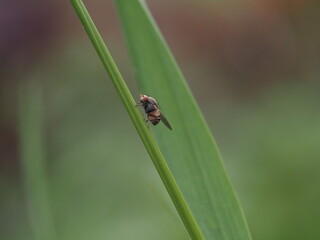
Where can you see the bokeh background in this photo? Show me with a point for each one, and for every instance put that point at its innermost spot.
(253, 66)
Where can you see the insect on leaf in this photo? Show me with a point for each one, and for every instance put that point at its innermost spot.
(190, 150)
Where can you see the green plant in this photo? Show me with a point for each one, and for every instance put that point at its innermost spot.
(33, 161)
(186, 159)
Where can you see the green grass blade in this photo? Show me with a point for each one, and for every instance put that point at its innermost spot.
(33, 161)
(189, 149)
(145, 134)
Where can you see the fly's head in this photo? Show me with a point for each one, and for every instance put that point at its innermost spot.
(143, 98)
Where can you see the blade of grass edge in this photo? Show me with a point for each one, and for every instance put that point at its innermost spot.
(142, 129)
(190, 150)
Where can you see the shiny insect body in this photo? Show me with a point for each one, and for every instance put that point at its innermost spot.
(151, 108)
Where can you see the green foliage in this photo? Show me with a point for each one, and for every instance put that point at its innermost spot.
(204, 199)
(138, 121)
(190, 149)
(33, 161)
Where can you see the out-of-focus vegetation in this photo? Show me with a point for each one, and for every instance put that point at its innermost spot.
(254, 70)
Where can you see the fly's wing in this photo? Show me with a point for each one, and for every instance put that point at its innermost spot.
(165, 121)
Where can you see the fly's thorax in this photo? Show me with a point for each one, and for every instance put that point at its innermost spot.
(153, 101)
(150, 107)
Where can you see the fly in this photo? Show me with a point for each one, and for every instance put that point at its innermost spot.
(151, 108)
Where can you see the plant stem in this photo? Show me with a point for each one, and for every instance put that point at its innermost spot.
(143, 131)
(33, 161)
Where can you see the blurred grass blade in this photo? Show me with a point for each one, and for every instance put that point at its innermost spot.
(135, 115)
(189, 149)
(33, 161)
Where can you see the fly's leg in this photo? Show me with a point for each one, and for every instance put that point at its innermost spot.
(145, 118)
(138, 104)
(144, 115)
(147, 122)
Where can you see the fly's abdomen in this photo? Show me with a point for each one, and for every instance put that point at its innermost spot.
(154, 117)
(155, 121)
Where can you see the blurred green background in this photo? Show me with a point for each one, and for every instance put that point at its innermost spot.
(253, 66)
